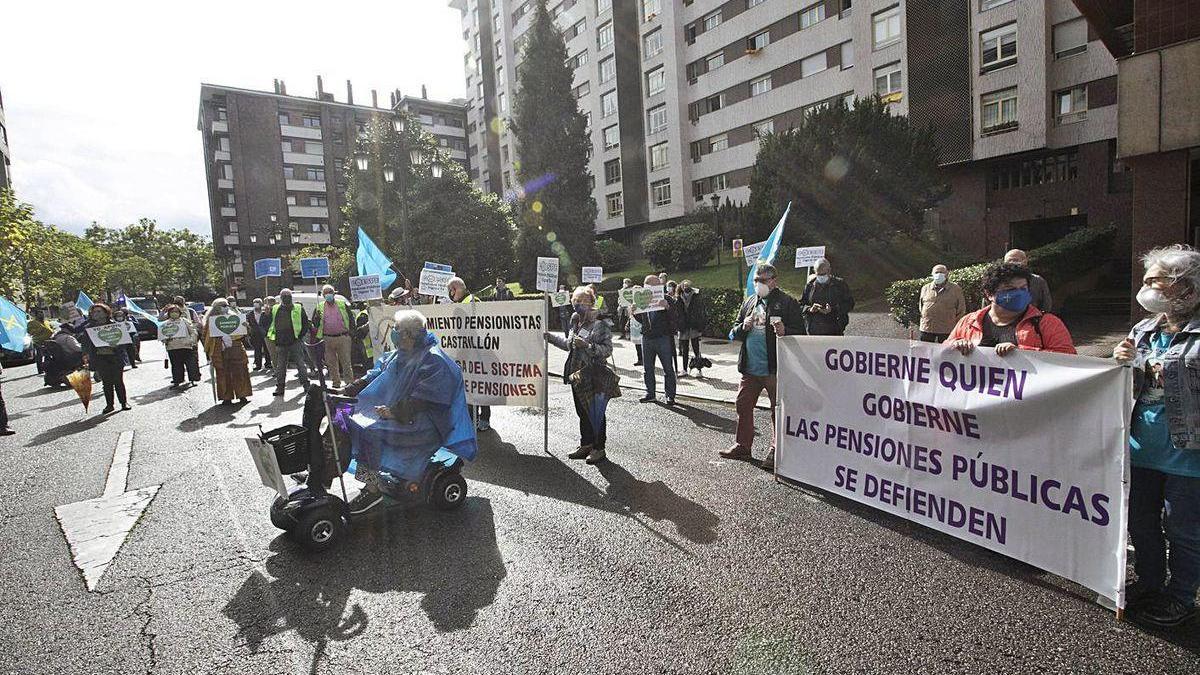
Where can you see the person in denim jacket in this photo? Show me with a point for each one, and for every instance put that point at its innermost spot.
(1164, 439)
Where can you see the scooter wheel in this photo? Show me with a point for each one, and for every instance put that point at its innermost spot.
(449, 491)
(319, 530)
(278, 519)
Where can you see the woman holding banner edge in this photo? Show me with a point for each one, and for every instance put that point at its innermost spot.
(589, 344)
(1164, 439)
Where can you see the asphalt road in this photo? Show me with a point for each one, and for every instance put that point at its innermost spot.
(664, 560)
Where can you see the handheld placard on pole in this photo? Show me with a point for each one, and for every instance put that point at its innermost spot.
(546, 375)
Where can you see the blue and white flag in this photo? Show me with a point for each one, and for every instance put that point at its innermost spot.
(769, 250)
(372, 261)
(83, 302)
(133, 307)
(12, 326)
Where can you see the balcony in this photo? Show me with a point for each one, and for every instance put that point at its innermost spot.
(305, 185)
(302, 158)
(314, 238)
(228, 211)
(220, 125)
(225, 183)
(308, 211)
(221, 156)
(290, 131)
(231, 239)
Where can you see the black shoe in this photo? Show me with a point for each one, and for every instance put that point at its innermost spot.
(581, 452)
(6, 432)
(1138, 594)
(670, 400)
(637, 363)
(365, 501)
(107, 410)
(1164, 612)
(126, 406)
(301, 477)
(277, 392)
(648, 398)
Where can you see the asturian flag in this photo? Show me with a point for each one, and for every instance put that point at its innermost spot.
(12, 326)
(769, 250)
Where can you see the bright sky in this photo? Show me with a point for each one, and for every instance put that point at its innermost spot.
(101, 98)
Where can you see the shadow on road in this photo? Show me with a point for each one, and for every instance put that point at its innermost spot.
(217, 414)
(451, 558)
(658, 502)
(61, 431)
(705, 419)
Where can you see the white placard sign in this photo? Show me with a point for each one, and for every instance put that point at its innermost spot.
(434, 282)
(267, 465)
(751, 252)
(593, 275)
(227, 325)
(648, 299)
(1024, 454)
(547, 274)
(365, 287)
(110, 335)
(499, 346)
(807, 256)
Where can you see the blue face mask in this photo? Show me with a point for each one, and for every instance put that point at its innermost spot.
(581, 309)
(329, 297)
(1014, 300)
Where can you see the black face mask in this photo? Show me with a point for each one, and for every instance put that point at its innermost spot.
(285, 300)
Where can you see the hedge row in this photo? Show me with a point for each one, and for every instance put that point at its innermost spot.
(1058, 262)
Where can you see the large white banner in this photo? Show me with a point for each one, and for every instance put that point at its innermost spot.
(1024, 454)
(499, 346)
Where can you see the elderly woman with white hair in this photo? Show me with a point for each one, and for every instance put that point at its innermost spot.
(589, 343)
(1164, 439)
(408, 407)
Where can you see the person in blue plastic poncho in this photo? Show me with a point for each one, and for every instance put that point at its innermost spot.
(410, 406)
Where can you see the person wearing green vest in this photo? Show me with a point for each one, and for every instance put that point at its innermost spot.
(289, 325)
(482, 414)
(333, 322)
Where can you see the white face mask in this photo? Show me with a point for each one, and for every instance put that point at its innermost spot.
(822, 278)
(762, 289)
(1155, 301)
(939, 278)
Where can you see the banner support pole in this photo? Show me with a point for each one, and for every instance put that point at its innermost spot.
(546, 376)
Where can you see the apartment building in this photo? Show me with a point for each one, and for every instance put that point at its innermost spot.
(5, 154)
(273, 164)
(678, 92)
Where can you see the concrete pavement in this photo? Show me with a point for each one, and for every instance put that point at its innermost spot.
(664, 560)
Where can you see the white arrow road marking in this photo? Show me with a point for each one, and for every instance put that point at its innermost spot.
(96, 528)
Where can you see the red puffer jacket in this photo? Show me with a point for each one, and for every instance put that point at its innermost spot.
(1036, 331)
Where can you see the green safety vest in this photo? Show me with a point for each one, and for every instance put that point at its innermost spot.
(366, 340)
(296, 310)
(345, 317)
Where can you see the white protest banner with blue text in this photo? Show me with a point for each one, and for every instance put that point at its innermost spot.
(1024, 454)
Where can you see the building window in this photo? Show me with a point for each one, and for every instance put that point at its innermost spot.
(713, 20)
(847, 55)
(227, 171)
(760, 86)
(612, 137)
(583, 90)
(660, 190)
(650, 9)
(603, 5)
(608, 103)
(314, 174)
(579, 59)
(604, 35)
(719, 182)
(886, 26)
(656, 119)
(812, 15)
(312, 121)
(715, 103)
(238, 254)
(223, 144)
(652, 43)
(608, 69)
(1070, 105)
(889, 82)
(760, 41)
(1070, 37)
(291, 200)
(222, 114)
(988, 4)
(501, 103)
(813, 65)
(317, 200)
(763, 128)
(718, 143)
(314, 148)
(1055, 168)
(715, 61)
(286, 146)
(998, 110)
(229, 199)
(233, 227)
(283, 119)
(656, 81)
(612, 171)
(615, 206)
(318, 226)
(754, 3)
(998, 47)
(658, 157)
(289, 172)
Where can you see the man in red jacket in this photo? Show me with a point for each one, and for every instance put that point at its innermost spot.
(1010, 321)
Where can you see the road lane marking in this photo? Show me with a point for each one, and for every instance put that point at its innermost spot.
(118, 470)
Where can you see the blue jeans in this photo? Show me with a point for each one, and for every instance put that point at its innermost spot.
(1162, 502)
(663, 348)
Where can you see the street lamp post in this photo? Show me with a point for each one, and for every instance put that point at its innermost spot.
(715, 200)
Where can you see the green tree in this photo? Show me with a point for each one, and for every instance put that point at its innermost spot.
(558, 213)
(477, 237)
(849, 172)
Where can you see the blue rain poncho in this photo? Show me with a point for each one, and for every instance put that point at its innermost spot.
(443, 424)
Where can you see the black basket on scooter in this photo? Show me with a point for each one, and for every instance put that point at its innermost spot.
(290, 443)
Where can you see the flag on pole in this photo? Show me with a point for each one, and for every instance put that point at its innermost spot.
(12, 326)
(372, 261)
(133, 307)
(767, 255)
(83, 302)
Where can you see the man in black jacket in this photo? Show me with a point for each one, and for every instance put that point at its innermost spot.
(771, 313)
(827, 302)
(658, 339)
(257, 322)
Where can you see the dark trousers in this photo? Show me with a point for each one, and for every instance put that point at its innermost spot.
(111, 372)
(261, 354)
(664, 349)
(934, 337)
(1164, 511)
(588, 435)
(638, 347)
(184, 360)
(683, 349)
(481, 412)
(3, 411)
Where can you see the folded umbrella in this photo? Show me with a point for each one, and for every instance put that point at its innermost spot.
(81, 382)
